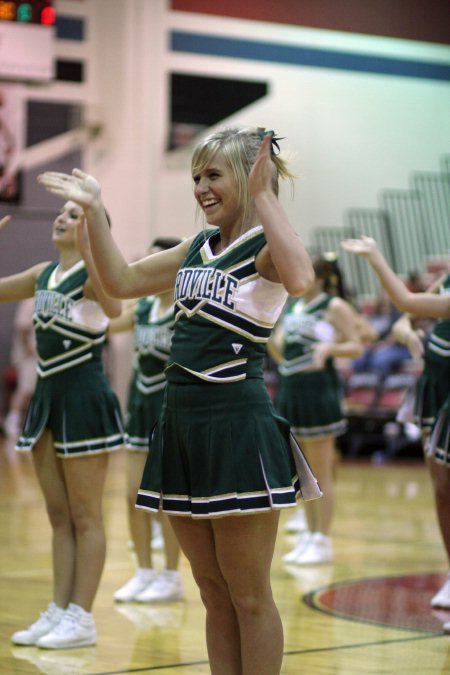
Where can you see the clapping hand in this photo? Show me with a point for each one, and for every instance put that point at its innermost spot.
(78, 186)
(260, 178)
(364, 246)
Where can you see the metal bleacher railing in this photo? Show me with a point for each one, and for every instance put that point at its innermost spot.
(411, 226)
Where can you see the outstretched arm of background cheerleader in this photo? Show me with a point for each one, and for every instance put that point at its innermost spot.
(419, 304)
(405, 333)
(120, 279)
(93, 287)
(21, 285)
(347, 343)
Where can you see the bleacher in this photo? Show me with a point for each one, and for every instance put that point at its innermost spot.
(411, 227)
(371, 405)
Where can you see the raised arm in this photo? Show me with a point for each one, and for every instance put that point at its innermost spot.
(124, 322)
(285, 257)
(405, 333)
(93, 287)
(275, 343)
(347, 342)
(419, 304)
(154, 274)
(21, 285)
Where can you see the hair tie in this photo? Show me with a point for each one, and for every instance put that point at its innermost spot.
(275, 148)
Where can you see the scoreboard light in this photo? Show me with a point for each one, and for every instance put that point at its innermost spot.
(34, 12)
(27, 37)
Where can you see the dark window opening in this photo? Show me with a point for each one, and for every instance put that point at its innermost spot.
(199, 102)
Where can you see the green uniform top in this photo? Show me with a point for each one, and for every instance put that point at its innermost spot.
(152, 338)
(303, 326)
(70, 329)
(224, 311)
(438, 347)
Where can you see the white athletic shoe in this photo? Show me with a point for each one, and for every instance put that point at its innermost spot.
(76, 629)
(302, 542)
(128, 592)
(167, 587)
(297, 522)
(317, 551)
(442, 597)
(46, 622)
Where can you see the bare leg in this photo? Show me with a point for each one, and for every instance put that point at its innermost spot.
(440, 476)
(222, 631)
(85, 480)
(320, 454)
(171, 545)
(231, 559)
(245, 547)
(139, 521)
(20, 399)
(50, 477)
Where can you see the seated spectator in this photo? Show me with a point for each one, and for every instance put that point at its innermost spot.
(385, 355)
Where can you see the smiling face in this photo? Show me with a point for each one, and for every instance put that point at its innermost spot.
(232, 151)
(65, 224)
(217, 194)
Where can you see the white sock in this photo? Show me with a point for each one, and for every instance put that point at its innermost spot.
(78, 609)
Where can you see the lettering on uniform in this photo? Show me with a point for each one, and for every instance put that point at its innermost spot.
(206, 284)
(152, 336)
(52, 303)
(299, 326)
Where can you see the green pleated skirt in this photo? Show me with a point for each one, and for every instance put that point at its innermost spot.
(431, 392)
(439, 442)
(142, 414)
(81, 410)
(220, 449)
(311, 403)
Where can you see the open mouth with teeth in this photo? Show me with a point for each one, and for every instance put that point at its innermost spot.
(209, 203)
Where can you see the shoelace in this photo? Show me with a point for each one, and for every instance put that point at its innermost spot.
(159, 585)
(68, 621)
(45, 616)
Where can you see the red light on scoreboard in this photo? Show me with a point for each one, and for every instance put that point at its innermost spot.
(37, 12)
(48, 16)
(27, 36)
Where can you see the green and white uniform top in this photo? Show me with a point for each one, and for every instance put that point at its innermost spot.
(73, 397)
(70, 328)
(438, 347)
(435, 386)
(303, 326)
(152, 339)
(224, 311)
